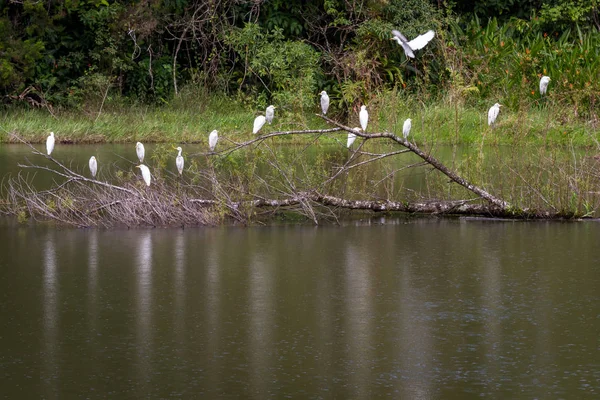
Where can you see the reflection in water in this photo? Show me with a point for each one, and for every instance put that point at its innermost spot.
(180, 287)
(213, 305)
(415, 347)
(492, 311)
(261, 321)
(50, 318)
(144, 307)
(92, 280)
(415, 310)
(359, 311)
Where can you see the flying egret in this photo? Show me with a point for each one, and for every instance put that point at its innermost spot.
(93, 166)
(213, 138)
(145, 173)
(258, 123)
(406, 128)
(544, 84)
(270, 114)
(50, 143)
(493, 113)
(179, 161)
(139, 150)
(416, 44)
(324, 102)
(363, 116)
(351, 137)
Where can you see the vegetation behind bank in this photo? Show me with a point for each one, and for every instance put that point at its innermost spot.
(174, 70)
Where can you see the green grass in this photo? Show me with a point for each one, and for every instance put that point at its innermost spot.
(190, 121)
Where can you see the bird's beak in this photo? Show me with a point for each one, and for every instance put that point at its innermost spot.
(174, 148)
(137, 166)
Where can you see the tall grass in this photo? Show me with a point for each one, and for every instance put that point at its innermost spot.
(189, 118)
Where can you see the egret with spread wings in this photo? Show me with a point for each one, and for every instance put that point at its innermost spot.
(416, 44)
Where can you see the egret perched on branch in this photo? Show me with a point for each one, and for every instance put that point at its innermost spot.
(406, 128)
(416, 44)
(213, 138)
(493, 113)
(324, 102)
(258, 123)
(351, 137)
(145, 173)
(363, 117)
(50, 143)
(139, 150)
(544, 84)
(93, 166)
(270, 114)
(179, 161)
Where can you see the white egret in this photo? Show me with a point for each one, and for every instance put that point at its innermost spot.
(93, 166)
(179, 160)
(406, 128)
(213, 138)
(139, 150)
(416, 44)
(145, 173)
(324, 102)
(50, 143)
(270, 114)
(258, 123)
(493, 113)
(544, 84)
(351, 137)
(363, 117)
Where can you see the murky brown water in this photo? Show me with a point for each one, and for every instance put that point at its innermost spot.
(420, 309)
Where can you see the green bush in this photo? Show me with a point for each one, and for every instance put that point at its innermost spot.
(274, 70)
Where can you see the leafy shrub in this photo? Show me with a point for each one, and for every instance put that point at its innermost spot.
(273, 69)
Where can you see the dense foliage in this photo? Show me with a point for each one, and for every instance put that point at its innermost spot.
(76, 53)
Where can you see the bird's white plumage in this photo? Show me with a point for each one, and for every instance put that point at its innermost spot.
(493, 113)
(544, 84)
(270, 113)
(416, 44)
(50, 143)
(139, 150)
(363, 117)
(421, 41)
(93, 166)
(258, 123)
(324, 102)
(179, 160)
(145, 174)
(406, 128)
(351, 139)
(213, 138)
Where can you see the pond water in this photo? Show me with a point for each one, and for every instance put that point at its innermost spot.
(383, 307)
(379, 308)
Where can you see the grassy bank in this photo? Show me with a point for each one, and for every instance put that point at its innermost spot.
(190, 120)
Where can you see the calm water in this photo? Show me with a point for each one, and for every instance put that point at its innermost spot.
(421, 309)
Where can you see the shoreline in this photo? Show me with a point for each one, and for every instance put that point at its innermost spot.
(434, 124)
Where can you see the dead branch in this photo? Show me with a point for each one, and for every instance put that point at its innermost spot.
(427, 158)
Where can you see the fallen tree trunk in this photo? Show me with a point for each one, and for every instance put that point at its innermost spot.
(81, 201)
(455, 207)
